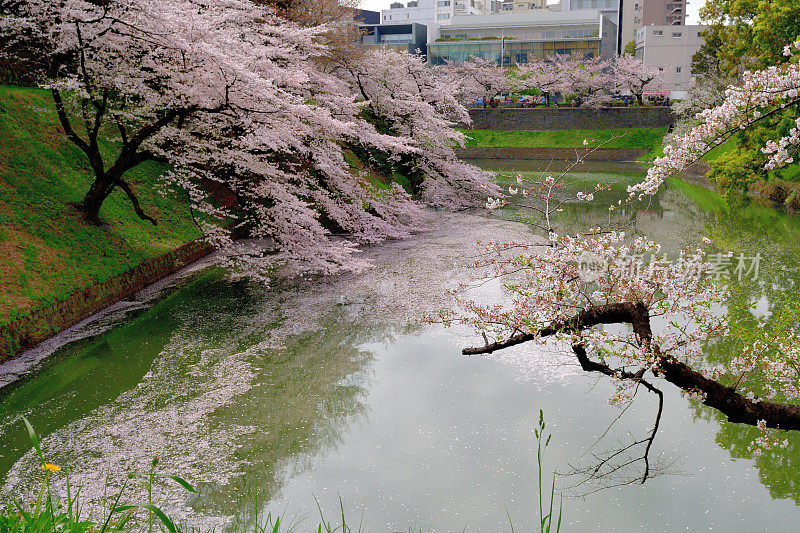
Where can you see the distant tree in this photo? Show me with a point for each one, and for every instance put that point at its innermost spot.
(540, 74)
(632, 74)
(587, 80)
(630, 47)
(476, 78)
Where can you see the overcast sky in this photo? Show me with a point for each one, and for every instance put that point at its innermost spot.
(377, 5)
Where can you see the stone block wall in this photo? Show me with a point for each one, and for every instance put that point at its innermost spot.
(567, 118)
(46, 321)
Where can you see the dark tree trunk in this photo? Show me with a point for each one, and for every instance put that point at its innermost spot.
(100, 189)
(131, 153)
(716, 395)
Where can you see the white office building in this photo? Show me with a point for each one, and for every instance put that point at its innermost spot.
(670, 49)
(515, 38)
(609, 9)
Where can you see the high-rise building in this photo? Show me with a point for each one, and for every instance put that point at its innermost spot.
(663, 12)
(635, 14)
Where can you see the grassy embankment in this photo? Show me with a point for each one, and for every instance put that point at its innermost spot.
(47, 250)
(629, 138)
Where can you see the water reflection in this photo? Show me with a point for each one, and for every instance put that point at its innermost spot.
(679, 216)
(200, 381)
(753, 229)
(90, 372)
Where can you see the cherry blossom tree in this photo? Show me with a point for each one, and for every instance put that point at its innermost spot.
(632, 74)
(476, 78)
(244, 108)
(761, 94)
(540, 74)
(415, 103)
(561, 293)
(568, 291)
(587, 80)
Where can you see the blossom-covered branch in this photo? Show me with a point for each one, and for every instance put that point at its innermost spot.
(760, 95)
(570, 290)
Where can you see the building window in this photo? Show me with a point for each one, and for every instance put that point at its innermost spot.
(658, 32)
(443, 16)
(678, 70)
(677, 34)
(443, 3)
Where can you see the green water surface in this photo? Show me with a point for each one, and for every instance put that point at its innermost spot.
(394, 421)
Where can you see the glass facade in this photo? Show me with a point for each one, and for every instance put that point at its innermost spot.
(515, 51)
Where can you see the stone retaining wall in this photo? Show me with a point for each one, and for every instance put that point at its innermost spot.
(566, 118)
(564, 154)
(46, 321)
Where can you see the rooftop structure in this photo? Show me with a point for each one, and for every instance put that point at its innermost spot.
(402, 37)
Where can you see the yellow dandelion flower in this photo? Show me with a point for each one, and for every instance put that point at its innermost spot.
(51, 467)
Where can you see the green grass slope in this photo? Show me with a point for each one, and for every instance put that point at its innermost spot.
(47, 250)
(637, 138)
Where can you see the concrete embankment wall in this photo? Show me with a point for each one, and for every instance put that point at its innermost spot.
(565, 118)
(546, 154)
(46, 321)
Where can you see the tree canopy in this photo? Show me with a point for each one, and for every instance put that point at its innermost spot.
(252, 112)
(745, 35)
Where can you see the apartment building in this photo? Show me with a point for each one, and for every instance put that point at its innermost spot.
(637, 13)
(663, 12)
(670, 48)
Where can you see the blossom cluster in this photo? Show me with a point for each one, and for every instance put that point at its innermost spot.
(545, 285)
(768, 440)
